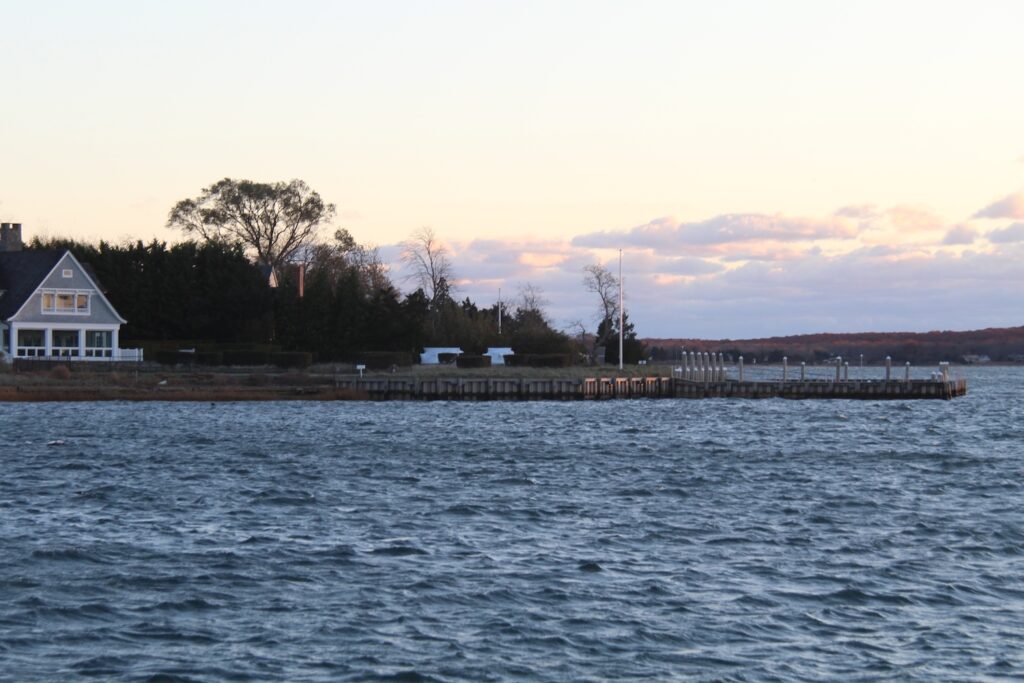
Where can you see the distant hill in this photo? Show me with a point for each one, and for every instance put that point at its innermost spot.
(999, 344)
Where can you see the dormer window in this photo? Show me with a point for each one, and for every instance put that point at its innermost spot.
(66, 302)
(67, 273)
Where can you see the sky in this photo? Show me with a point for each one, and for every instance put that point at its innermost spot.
(766, 168)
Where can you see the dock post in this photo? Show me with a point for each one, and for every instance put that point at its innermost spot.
(906, 374)
(888, 368)
(721, 366)
(944, 369)
(846, 371)
(741, 368)
(839, 366)
(862, 360)
(803, 371)
(785, 368)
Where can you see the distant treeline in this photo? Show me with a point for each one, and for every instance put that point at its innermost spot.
(211, 291)
(999, 344)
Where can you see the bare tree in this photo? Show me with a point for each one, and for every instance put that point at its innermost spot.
(273, 221)
(601, 281)
(428, 264)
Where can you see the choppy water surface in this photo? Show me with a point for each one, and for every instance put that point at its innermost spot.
(515, 541)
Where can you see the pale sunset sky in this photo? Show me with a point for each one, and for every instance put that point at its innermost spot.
(767, 168)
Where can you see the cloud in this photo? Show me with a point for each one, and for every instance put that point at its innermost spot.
(960, 234)
(913, 219)
(1010, 206)
(667, 233)
(1011, 233)
(861, 211)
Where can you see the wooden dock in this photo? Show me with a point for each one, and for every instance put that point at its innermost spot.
(602, 388)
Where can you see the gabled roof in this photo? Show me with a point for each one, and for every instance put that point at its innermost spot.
(21, 272)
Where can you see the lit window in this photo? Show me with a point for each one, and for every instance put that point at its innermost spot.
(66, 301)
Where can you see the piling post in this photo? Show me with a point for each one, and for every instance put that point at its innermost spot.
(906, 374)
(846, 371)
(862, 360)
(785, 368)
(888, 368)
(803, 371)
(721, 366)
(740, 368)
(839, 366)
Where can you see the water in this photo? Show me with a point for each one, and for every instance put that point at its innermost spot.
(644, 540)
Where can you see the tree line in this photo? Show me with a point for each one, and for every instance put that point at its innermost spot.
(255, 271)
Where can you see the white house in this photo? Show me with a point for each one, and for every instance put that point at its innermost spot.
(51, 306)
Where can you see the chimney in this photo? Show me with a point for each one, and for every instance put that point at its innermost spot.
(10, 236)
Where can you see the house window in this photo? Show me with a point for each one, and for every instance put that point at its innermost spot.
(66, 302)
(99, 343)
(65, 343)
(67, 273)
(31, 343)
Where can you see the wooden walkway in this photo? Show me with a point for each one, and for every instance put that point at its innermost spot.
(600, 388)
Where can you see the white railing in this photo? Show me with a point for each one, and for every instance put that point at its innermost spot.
(91, 354)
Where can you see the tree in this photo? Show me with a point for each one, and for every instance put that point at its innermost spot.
(601, 281)
(272, 221)
(429, 265)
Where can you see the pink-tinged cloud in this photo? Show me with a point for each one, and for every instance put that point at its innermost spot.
(859, 211)
(666, 233)
(960, 234)
(913, 219)
(1010, 206)
(1011, 233)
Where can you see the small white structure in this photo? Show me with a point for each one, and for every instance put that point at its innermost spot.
(430, 354)
(498, 353)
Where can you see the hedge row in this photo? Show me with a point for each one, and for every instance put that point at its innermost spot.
(472, 361)
(539, 360)
(282, 359)
(384, 360)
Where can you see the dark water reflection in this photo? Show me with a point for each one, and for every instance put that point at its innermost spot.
(531, 541)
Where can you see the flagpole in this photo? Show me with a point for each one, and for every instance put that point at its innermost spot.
(622, 315)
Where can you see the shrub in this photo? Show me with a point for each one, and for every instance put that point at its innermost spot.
(61, 372)
(446, 358)
(472, 361)
(245, 357)
(384, 360)
(171, 357)
(548, 360)
(292, 359)
(207, 358)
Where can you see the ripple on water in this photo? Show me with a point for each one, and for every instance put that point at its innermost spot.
(646, 540)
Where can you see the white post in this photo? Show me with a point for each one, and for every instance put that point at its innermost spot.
(741, 368)
(115, 344)
(721, 366)
(81, 344)
(785, 368)
(846, 371)
(13, 331)
(888, 368)
(906, 374)
(803, 370)
(48, 342)
(944, 369)
(839, 366)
